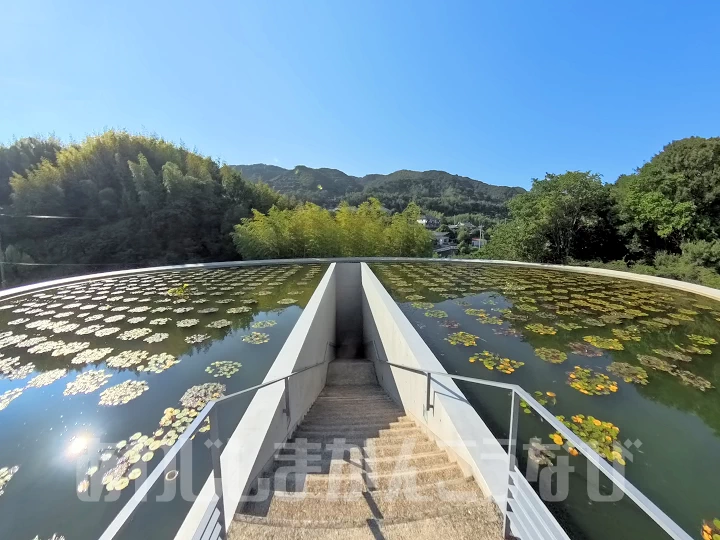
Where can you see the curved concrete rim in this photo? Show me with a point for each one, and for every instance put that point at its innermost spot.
(701, 290)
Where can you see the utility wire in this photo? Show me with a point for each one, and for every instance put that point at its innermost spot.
(63, 264)
(2, 253)
(48, 217)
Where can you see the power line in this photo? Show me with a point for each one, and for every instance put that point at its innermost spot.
(2, 253)
(63, 264)
(48, 217)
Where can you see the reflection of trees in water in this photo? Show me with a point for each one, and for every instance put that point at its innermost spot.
(202, 292)
(669, 319)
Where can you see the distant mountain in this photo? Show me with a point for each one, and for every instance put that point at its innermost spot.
(432, 190)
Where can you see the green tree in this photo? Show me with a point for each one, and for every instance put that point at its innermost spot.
(150, 189)
(405, 237)
(672, 199)
(553, 221)
(311, 231)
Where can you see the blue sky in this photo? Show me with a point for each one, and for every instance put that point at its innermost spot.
(501, 91)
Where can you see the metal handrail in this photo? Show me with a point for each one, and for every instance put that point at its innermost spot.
(645, 504)
(138, 497)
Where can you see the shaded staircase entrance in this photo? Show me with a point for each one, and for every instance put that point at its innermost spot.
(358, 467)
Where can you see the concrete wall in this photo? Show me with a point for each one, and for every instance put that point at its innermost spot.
(349, 337)
(264, 424)
(701, 290)
(453, 422)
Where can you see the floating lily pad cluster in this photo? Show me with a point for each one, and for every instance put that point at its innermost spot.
(46, 378)
(629, 373)
(157, 337)
(590, 382)
(584, 349)
(461, 338)
(87, 382)
(673, 355)
(711, 530)
(264, 324)
(198, 396)
(494, 361)
(6, 474)
(220, 323)
(223, 368)
(554, 356)
(123, 393)
(256, 338)
(157, 363)
(541, 329)
(197, 338)
(605, 343)
(600, 436)
(8, 396)
(126, 359)
(702, 340)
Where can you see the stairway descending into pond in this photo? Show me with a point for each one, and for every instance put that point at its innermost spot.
(387, 480)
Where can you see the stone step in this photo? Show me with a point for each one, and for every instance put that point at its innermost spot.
(352, 390)
(390, 419)
(355, 409)
(355, 399)
(351, 373)
(318, 510)
(339, 425)
(360, 440)
(373, 450)
(359, 481)
(474, 522)
(351, 432)
(354, 462)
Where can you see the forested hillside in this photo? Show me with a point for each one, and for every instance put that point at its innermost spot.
(133, 200)
(664, 219)
(432, 190)
(128, 200)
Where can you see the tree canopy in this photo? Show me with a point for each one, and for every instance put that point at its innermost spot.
(663, 219)
(312, 231)
(133, 200)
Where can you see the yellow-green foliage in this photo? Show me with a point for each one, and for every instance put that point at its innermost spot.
(311, 231)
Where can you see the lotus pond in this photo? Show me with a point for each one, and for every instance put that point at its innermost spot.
(632, 369)
(128, 361)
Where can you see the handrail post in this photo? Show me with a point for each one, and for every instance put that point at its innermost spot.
(428, 405)
(287, 398)
(217, 472)
(512, 450)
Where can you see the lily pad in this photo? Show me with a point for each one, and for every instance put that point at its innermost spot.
(123, 393)
(223, 368)
(554, 356)
(629, 373)
(591, 383)
(541, 329)
(605, 343)
(461, 338)
(256, 338)
(494, 361)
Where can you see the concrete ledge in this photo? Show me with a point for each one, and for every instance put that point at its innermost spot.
(452, 422)
(664, 282)
(264, 424)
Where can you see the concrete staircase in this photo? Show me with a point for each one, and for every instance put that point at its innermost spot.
(359, 468)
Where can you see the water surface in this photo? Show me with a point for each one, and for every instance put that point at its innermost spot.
(109, 361)
(524, 315)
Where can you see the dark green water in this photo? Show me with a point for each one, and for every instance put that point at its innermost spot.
(41, 430)
(676, 423)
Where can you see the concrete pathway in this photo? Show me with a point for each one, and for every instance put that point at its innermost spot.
(359, 468)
